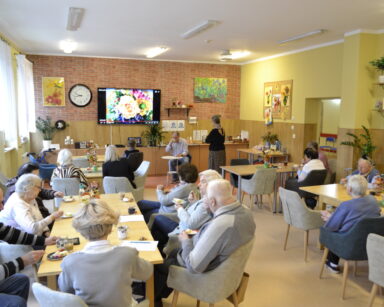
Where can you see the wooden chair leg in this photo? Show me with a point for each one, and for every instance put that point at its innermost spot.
(355, 268)
(198, 303)
(306, 235)
(286, 237)
(345, 276)
(175, 297)
(235, 299)
(325, 255)
(373, 294)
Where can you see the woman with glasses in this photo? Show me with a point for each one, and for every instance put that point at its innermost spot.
(21, 210)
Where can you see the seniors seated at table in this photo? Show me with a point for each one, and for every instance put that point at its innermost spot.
(21, 210)
(193, 216)
(232, 226)
(311, 163)
(131, 148)
(66, 169)
(322, 156)
(32, 168)
(365, 168)
(101, 274)
(116, 167)
(348, 213)
(177, 147)
(188, 175)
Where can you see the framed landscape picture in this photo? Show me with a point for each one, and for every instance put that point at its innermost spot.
(53, 91)
(210, 90)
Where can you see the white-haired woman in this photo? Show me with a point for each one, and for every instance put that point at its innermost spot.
(116, 167)
(193, 216)
(66, 169)
(101, 274)
(22, 211)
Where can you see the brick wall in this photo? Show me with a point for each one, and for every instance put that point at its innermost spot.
(175, 79)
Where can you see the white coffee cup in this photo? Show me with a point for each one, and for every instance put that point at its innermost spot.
(122, 232)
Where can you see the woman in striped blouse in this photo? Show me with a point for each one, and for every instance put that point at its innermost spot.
(66, 169)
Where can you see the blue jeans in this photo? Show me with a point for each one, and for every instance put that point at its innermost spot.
(148, 207)
(14, 291)
(161, 227)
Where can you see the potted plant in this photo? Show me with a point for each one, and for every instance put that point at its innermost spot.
(269, 138)
(47, 129)
(153, 135)
(363, 143)
(379, 65)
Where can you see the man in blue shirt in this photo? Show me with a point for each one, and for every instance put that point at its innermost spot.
(350, 212)
(177, 147)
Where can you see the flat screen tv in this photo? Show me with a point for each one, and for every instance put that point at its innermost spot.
(128, 106)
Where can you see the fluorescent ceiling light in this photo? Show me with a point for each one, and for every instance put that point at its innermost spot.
(75, 15)
(227, 55)
(199, 28)
(154, 52)
(68, 46)
(301, 36)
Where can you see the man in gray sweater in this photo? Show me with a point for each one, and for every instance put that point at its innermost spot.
(231, 227)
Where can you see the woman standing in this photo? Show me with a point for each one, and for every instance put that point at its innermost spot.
(216, 139)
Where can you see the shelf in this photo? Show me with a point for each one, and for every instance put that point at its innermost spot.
(176, 108)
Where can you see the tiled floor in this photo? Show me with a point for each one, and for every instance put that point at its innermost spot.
(282, 278)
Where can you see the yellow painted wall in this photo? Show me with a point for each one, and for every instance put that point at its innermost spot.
(331, 116)
(315, 73)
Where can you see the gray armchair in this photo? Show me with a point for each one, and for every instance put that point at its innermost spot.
(297, 214)
(69, 186)
(81, 162)
(375, 251)
(212, 286)
(262, 182)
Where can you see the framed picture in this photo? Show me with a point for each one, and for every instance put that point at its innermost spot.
(278, 97)
(53, 91)
(210, 90)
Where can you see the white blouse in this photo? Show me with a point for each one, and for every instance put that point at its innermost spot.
(24, 216)
(311, 165)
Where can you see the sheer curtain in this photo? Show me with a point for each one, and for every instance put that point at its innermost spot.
(8, 116)
(25, 96)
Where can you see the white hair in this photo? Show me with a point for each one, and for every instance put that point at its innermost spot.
(210, 175)
(64, 157)
(358, 185)
(219, 189)
(25, 184)
(111, 154)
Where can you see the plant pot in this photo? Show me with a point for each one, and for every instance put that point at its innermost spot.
(47, 144)
(381, 79)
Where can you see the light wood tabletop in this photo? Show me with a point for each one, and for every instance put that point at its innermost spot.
(100, 158)
(63, 228)
(90, 174)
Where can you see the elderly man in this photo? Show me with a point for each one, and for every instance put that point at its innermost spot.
(232, 226)
(350, 212)
(177, 147)
(366, 169)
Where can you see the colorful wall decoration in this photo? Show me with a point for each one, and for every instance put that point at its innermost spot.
(53, 91)
(210, 90)
(278, 97)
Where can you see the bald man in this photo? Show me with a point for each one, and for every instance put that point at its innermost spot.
(232, 226)
(366, 169)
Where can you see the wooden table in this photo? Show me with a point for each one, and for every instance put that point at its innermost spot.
(100, 158)
(246, 170)
(94, 176)
(273, 155)
(63, 228)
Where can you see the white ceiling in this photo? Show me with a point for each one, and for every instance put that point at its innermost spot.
(127, 28)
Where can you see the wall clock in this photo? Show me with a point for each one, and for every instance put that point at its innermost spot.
(80, 95)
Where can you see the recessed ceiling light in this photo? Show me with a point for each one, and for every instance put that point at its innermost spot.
(227, 55)
(154, 52)
(199, 28)
(75, 15)
(301, 36)
(68, 46)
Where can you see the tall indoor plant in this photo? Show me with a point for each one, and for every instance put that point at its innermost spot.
(153, 135)
(362, 143)
(379, 65)
(47, 129)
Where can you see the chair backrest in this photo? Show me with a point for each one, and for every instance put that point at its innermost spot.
(233, 178)
(116, 184)
(375, 251)
(262, 181)
(331, 174)
(46, 170)
(134, 160)
(47, 297)
(143, 169)
(69, 186)
(81, 162)
(315, 177)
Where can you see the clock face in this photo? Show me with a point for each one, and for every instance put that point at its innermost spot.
(80, 95)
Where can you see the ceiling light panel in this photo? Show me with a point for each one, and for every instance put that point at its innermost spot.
(199, 28)
(302, 36)
(75, 16)
(68, 46)
(154, 52)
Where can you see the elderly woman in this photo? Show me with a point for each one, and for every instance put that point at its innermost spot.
(188, 176)
(101, 274)
(366, 169)
(216, 139)
(21, 210)
(193, 216)
(116, 167)
(348, 213)
(311, 163)
(66, 169)
(322, 156)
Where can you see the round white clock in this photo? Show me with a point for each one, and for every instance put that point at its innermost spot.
(80, 95)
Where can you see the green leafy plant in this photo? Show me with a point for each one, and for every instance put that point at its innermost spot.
(153, 135)
(46, 128)
(270, 138)
(378, 64)
(363, 143)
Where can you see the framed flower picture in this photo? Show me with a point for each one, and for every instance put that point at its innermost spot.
(53, 91)
(278, 97)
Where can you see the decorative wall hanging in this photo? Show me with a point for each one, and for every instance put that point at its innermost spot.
(210, 90)
(278, 97)
(268, 116)
(53, 91)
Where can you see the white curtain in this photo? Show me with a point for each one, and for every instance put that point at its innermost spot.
(8, 110)
(25, 96)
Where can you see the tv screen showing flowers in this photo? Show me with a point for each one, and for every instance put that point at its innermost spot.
(128, 106)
